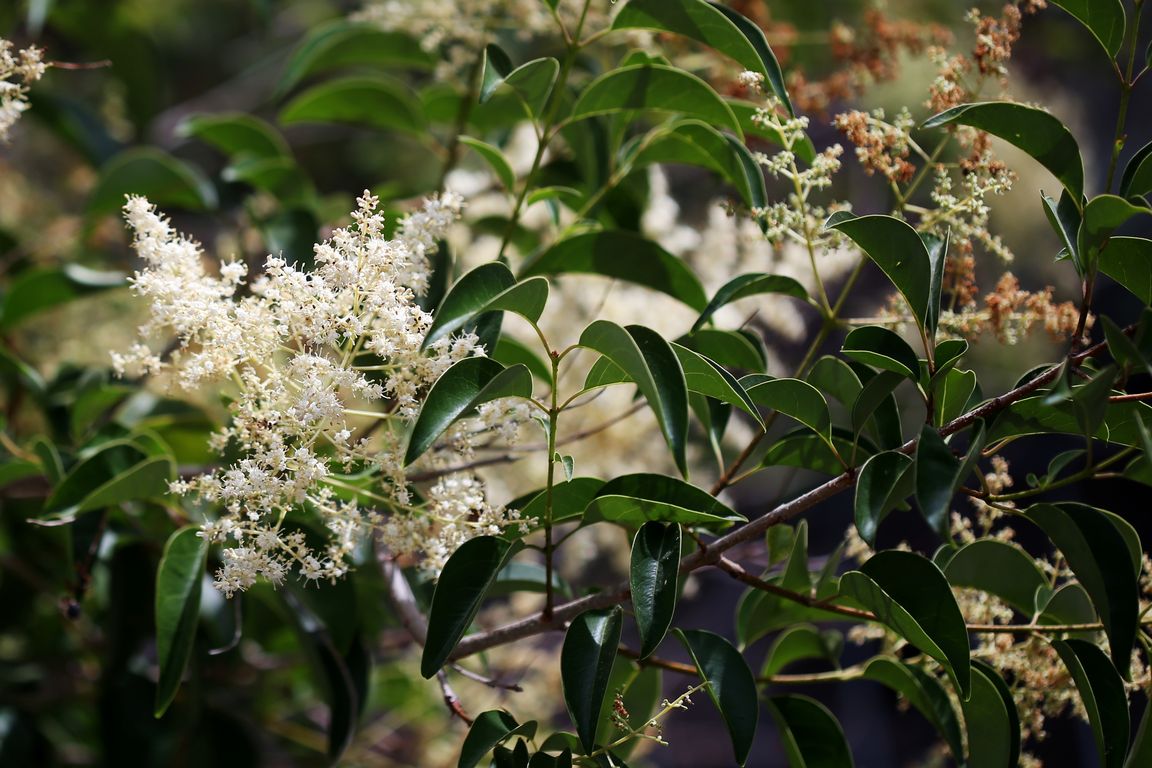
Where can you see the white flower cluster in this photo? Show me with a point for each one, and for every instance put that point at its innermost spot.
(18, 69)
(304, 347)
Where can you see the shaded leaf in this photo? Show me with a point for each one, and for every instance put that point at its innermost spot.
(236, 134)
(655, 563)
(910, 595)
(991, 721)
(489, 729)
(880, 488)
(531, 82)
(373, 102)
(636, 499)
(937, 475)
(924, 692)
(1102, 691)
(177, 609)
(1128, 261)
(460, 589)
(1137, 178)
(624, 256)
(154, 174)
(351, 44)
(495, 159)
(802, 642)
(811, 734)
(1033, 130)
(752, 284)
(883, 349)
(730, 685)
(1103, 18)
(706, 377)
(585, 665)
(792, 397)
(1001, 569)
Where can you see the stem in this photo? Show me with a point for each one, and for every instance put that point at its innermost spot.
(553, 420)
(1126, 83)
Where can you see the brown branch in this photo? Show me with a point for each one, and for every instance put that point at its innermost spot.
(451, 700)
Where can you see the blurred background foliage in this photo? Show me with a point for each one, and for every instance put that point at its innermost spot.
(77, 656)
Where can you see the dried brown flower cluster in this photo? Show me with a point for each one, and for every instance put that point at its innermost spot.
(1009, 311)
(881, 147)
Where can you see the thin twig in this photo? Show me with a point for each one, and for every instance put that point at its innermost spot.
(451, 700)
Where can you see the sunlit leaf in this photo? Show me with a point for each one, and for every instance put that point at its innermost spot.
(585, 664)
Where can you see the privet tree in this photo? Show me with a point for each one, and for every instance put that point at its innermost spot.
(405, 438)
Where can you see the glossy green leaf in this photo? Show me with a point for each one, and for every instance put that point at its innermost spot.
(692, 142)
(733, 349)
(752, 284)
(1069, 604)
(35, 290)
(350, 44)
(991, 721)
(876, 395)
(924, 692)
(1103, 18)
(937, 475)
(641, 689)
(463, 583)
(952, 392)
(1101, 690)
(652, 578)
(1038, 416)
(806, 450)
(152, 173)
(1065, 217)
(880, 488)
(495, 159)
(811, 734)
(1128, 261)
(730, 685)
(715, 26)
(636, 499)
(649, 360)
(999, 568)
(654, 87)
(1097, 552)
(624, 256)
(531, 82)
(1137, 178)
(914, 265)
(177, 609)
(569, 499)
(883, 349)
(802, 642)
(489, 729)
(525, 577)
(373, 102)
(467, 297)
(509, 352)
(469, 383)
(236, 134)
(1031, 129)
(116, 473)
(706, 377)
(909, 594)
(585, 664)
(832, 376)
(1103, 215)
(794, 398)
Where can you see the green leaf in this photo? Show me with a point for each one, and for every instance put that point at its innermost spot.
(1141, 752)
(463, 583)
(236, 134)
(509, 352)
(654, 87)
(806, 450)
(713, 25)
(116, 473)
(495, 159)
(732, 349)
(792, 397)
(154, 174)
(177, 609)
(36, 290)
(373, 102)
(876, 395)
(925, 693)
(1103, 214)
(569, 499)
(915, 268)
(951, 392)
(937, 475)
(1038, 416)
(1033, 130)
(624, 256)
(991, 721)
(636, 499)
(649, 360)
(706, 377)
(802, 642)
(526, 298)
(1099, 555)
(811, 734)
(641, 690)
(880, 488)
(344, 44)
(1137, 178)
(532, 81)
(834, 377)
(1103, 18)
(1065, 218)
(910, 595)
(1128, 261)
(692, 142)
(730, 685)
(489, 729)
(652, 577)
(1069, 604)
(585, 664)
(752, 284)
(883, 349)
(1102, 691)
(469, 383)
(999, 568)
